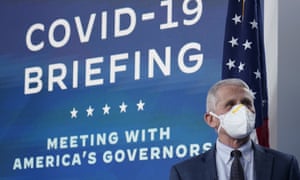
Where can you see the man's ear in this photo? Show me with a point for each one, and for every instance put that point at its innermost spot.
(211, 121)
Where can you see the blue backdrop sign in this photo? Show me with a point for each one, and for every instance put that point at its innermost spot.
(105, 89)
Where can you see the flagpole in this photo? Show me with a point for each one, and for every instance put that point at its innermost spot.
(243, 9)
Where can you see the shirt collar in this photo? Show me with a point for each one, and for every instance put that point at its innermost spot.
(224, 151)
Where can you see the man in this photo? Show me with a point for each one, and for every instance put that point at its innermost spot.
(231, 112)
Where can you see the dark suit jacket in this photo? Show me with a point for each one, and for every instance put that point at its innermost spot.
(269, 165)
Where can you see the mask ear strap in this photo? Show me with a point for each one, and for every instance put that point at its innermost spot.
(216, 116)
(213, 114)
(219, 128)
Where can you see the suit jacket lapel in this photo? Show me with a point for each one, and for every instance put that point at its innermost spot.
(262, 163)
(210, 162)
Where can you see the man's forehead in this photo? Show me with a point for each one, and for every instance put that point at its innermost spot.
(227, 90)
(230, 87)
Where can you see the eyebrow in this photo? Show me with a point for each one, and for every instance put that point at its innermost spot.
(229, 102)
(246, 101)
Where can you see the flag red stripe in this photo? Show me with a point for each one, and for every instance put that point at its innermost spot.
(263, 133)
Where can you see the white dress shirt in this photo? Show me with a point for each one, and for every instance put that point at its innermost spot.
(224, 160)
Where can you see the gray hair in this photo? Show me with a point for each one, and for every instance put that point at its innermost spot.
(211, 99)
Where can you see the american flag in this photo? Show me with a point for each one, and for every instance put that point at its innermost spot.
(244, 57)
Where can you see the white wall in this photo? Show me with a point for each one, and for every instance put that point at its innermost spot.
(288, 77)
(282, 35)
(271, 48)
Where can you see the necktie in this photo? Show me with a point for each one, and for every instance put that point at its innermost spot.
(236, 171)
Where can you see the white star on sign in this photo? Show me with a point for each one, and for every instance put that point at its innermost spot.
(247, 45)
(254, 24)
(74, 113)
(90, 111)
(123, 107)
(241, 67)
(237, 19)
(257, 74)
(230, 64)
(233, 42)
(140, 105)
(106, 109)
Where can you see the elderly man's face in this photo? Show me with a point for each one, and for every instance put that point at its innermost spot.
(229, 95)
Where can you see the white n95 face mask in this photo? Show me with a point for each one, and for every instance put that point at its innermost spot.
(239, 122)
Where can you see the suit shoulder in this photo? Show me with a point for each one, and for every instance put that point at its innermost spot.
(281, 156)
(196, 160)
(277, 153)
(196, 167)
